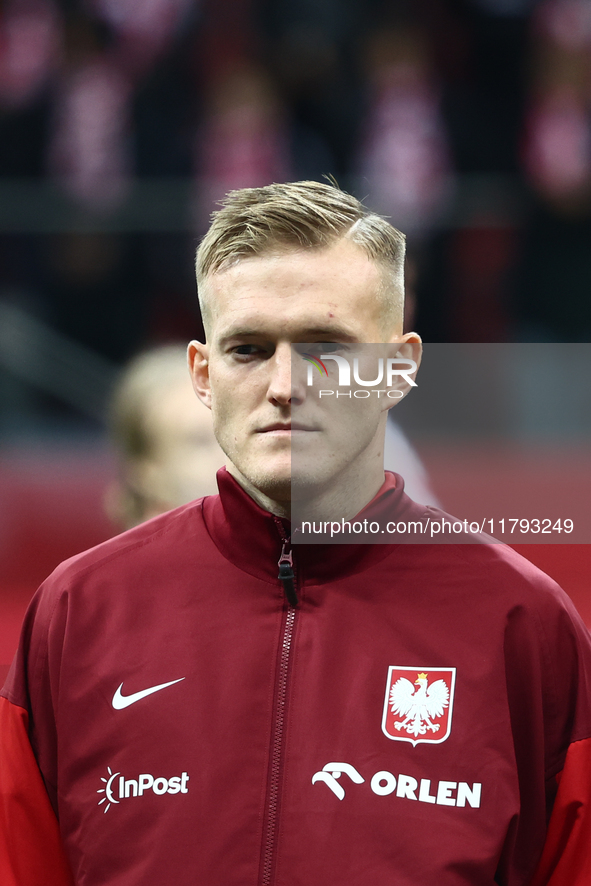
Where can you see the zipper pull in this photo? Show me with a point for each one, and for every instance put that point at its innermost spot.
(286, 574)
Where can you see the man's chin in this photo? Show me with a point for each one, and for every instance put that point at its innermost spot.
(283, 480)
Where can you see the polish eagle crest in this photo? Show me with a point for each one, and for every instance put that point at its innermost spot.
(413, 708)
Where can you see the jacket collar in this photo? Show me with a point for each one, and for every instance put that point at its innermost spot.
(251, 538)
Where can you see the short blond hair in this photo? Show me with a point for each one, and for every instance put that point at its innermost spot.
(299, 215)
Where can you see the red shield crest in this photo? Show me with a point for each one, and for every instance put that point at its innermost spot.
(418, 704)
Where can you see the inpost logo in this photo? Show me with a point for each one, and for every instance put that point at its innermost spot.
(118, 788)
(389, 371)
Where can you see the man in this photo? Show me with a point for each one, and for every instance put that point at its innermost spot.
(166, 450)
(378, 714)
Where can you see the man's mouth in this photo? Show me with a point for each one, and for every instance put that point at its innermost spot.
(285, 428)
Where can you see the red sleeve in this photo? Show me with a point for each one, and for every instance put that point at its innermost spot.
(566, 859)
(31, 852)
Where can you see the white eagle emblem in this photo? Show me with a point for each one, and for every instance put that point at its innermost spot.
(411, 709)
(418, 706)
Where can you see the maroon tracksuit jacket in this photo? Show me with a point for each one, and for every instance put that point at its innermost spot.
(422, 717)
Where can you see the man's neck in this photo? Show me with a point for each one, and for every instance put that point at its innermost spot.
(342, 499)
(278, 507)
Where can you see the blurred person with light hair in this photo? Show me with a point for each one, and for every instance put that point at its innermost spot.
(163, 438)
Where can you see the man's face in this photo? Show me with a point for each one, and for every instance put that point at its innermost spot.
(184, 454)
(259, 308)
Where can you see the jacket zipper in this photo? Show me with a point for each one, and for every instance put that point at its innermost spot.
(286, 573)
(288, 579)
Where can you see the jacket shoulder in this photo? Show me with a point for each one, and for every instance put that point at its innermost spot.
(136, 547)
(116, 577)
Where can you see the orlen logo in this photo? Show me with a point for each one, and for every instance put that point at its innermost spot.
(406, 787)
(388, 371)
(118, 788)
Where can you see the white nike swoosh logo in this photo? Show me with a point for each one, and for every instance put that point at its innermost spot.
(123, 701)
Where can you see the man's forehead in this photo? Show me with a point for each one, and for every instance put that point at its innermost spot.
(300, 314)
(328, 286)
(343, 259)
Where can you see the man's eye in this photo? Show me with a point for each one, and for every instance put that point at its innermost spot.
(247, 350)
(326, 347)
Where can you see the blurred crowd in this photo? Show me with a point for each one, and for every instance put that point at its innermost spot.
(467, 122)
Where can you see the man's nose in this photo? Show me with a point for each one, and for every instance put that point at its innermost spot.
(287, 382)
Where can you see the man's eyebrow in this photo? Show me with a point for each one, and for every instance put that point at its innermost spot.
(239, 332)
(328, 334)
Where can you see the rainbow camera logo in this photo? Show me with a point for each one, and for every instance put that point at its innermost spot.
(315, 361)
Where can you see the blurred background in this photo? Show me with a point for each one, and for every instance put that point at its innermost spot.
(122, 122)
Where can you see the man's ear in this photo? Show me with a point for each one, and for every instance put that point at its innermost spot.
(407, 347)
(198, 359)
(411, 346)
